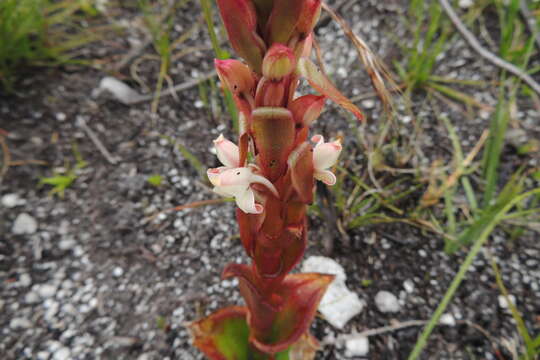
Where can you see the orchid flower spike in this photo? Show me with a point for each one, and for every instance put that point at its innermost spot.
(236, 182)
(325, 155)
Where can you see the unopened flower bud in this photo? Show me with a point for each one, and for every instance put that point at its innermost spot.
(235, 75)
(278, 62)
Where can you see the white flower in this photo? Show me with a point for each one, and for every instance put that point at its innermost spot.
(227, 152)
(233, 181)
(325, 155)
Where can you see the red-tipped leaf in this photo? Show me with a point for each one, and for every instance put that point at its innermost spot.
(283, 19)
(301, 167)
(240, 20)
(306, 109)
(323, 85)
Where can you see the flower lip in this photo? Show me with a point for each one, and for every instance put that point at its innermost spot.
(236, 182)
(325, 155)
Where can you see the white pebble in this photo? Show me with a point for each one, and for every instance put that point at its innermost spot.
(338, 304)
(465, 4)
(67, 244)
(46, 291)
(60, 116)
(11, 200)
(118, 271)
(406, 119)
(502, 301)
(62, 354)
(120, 90)
(31, 298)
(368, 104)
(20, 323)
(25, 280)
(357, 346)
(408, 285)
(24, 224)
(386, 302)
(447, 319)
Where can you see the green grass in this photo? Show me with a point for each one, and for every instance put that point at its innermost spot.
(220, 54)
(155, 180)
(41, 33)
(532, 345)
(60, 181)
(432, 32)
(485, 227)
(159, 20)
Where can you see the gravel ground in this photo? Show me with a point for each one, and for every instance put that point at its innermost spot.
(88, 276)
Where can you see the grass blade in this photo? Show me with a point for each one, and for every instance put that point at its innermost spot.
(479, 242)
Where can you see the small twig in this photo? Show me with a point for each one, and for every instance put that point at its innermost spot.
(377, 71)
(406, 324)
(26, 162)
(430, 198)
(180, 87)
(192, 205)
(7, 157)
(377, 331)
(92, 135)
(318, 53)
(132, 54)
(486, 54)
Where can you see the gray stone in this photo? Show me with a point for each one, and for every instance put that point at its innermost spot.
(47, 290)
(357, 346)
(386, 302)
(67, 244)
(24, 280)
(62, 354)
(31, 298)
(24, 224)
(11, 200)
(20, 323)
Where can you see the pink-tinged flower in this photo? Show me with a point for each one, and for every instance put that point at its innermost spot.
(236, 182)
(227, 152)
(325, 155)
(232, 180)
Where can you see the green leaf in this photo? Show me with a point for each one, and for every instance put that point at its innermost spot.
(59, 182)
(155, 180)
(224, 335)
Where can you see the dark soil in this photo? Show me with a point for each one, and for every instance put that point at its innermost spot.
(98, 280)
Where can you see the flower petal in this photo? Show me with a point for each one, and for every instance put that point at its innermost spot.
(227, 152)
(325, 155)
(264, 181)
(326, 177)
(246, 202)
(214, 173)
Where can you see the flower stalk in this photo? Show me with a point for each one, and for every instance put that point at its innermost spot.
(271, 173)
